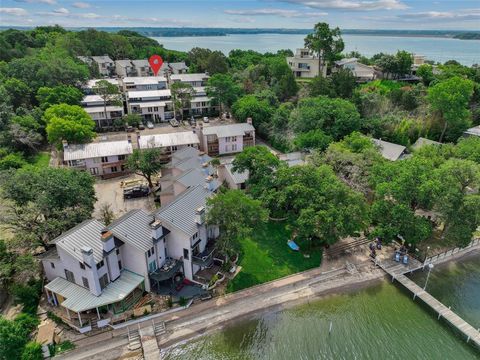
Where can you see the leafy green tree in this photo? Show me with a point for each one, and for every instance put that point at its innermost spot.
(132, 119)
(468, 148)
(258, 161)
(182, 95)
(450, 100)
(109, 93)
(343, 82)
(12, 161)
(70, 123)
(404, 62)
(62, 94)
(250, 106)
(223, 90)
(325, 42)
(322, 208)
(388, 64)
(313, 139)
(321, 86)
(236, 215)
(32, 351)
(146, 163)
(41, 203)
(216, 63)
(18, 91)
(12, 339)
(425, 71)
(454, 199)
(336, 117)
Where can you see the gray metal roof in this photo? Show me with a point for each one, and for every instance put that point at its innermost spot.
(228, 130)
(134, 228)
(78, 298)
(102, 59)
(180, 213)
(87, 234)
(189, 77)
(475, 131)
(123, 63)
(97, 149)
(423, 142)
(390, 150)
(170, 139)
(238, 177)
(195, 177)
(174, 65)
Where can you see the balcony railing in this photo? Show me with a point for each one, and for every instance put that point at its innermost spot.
(205, 258)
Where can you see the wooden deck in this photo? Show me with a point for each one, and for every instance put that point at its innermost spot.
(397, 271)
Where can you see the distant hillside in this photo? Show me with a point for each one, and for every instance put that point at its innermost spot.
(190, 31)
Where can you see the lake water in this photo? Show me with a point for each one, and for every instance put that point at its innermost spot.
(380, 322)
(466, 52)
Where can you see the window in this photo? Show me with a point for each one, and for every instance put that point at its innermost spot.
(104, 159)
(121, 157)
(85, 282)
(94, 171)
(234, 147)
(52, 265)
(153, 250)
(117, 251)
(103, 281)
(152, 266)
(148, 253)
(69, 275)
(234, 138)
(119, 265)
(195, 236)
(100, 265)
(185, 254)
(82, 266)
(113, 169)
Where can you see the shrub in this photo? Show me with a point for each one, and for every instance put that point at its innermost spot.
(32, 351)
(182, 301)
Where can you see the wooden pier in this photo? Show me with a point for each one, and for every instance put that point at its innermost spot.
(397, 271)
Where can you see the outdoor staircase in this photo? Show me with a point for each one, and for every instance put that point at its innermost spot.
(134, 341)
(159, 328)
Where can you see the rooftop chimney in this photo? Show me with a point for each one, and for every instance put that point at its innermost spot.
(129, 138)
(157, 229)
(107, 241)
(200, 215)
(87, 254)
(65, 144)
(249, 120)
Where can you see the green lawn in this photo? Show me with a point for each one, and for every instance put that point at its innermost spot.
(266, 256)
(41, 160)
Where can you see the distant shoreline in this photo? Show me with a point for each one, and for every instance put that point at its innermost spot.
(215, 32)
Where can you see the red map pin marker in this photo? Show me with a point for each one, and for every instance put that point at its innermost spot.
(156, 63)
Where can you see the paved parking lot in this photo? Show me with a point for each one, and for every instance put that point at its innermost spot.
(111, 192)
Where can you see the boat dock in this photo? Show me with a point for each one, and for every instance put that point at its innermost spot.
(397, 271)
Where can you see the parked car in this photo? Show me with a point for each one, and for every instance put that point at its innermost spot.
(130, 129)
(136, 192)
(150, 125)
(141, 126)
(174, 123)
(205, 119)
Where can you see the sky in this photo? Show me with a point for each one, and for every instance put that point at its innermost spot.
(347, 14)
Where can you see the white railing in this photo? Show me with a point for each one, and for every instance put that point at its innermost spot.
(451, 252)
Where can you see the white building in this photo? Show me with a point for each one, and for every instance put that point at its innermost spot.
(152, 105)
(235, 180)
(101, 114)
(105, 65)
(474, 131)
(143, 83)
(362, 73)
(142, 68)
(305, 64)
(196, 80)
(226, 139)
(95, 272)
(170, 142)
(88, 87)
(105, 159)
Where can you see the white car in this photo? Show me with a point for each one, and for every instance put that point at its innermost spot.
(150, 125)
(205, 119)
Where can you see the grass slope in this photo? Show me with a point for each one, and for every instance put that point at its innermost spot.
(266, 256)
